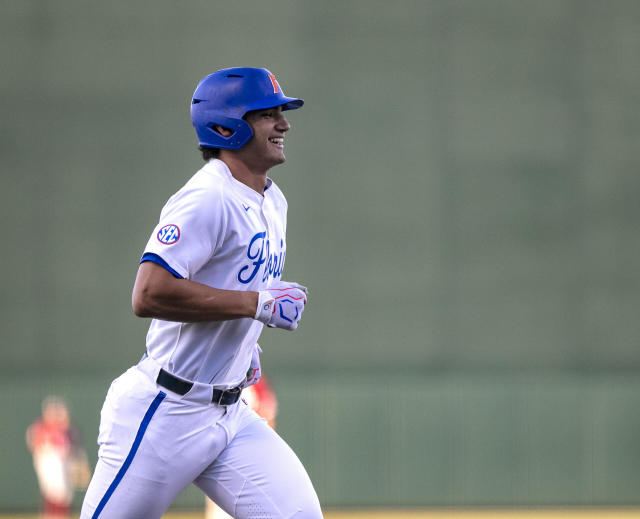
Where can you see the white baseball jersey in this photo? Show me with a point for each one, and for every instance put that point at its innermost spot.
(219, 232)
(153, 441)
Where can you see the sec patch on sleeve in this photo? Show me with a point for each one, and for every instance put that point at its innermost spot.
(169, 234)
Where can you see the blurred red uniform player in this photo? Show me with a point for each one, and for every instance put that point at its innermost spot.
(59, 460)
(262, 399)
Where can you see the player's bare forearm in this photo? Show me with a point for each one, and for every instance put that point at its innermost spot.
(157, 293)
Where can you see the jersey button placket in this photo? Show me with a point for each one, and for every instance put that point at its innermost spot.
(265, 218)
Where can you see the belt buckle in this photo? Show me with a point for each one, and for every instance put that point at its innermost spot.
(235, 390)
(219, 402)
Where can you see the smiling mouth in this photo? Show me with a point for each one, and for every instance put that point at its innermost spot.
(278, 141)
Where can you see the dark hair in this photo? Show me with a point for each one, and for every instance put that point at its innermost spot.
(209, 153)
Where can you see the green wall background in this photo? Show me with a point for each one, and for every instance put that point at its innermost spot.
(463, 203)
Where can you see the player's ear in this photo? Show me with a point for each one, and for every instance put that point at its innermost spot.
(225, 132)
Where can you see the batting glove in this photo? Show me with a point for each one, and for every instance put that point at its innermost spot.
(282, 305)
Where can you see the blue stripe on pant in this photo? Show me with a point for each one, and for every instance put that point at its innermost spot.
(134, 448)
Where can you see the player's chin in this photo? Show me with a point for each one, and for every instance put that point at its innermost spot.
(279, 158)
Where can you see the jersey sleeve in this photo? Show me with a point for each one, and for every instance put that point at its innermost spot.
(189, 232)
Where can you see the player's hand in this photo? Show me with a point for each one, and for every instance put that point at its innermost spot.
(281, 306)
(290, 300)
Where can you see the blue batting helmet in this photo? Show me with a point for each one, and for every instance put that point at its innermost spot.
(224, 97)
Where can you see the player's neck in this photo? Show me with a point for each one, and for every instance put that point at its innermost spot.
(255, 178)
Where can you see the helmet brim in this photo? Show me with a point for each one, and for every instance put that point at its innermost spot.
(287, 103)
(292, 104)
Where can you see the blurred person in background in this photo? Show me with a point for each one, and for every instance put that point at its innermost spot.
(59, 460)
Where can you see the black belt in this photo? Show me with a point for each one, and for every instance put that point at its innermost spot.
(182, 387)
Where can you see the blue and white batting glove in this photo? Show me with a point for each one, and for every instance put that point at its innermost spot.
(282, 305)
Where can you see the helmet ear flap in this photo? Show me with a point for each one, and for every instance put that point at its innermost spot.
(205, 122)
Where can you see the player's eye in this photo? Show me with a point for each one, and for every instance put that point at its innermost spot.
(267, 114)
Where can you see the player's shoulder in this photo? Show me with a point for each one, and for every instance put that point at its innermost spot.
(202, 194)
(212, 177)
(207, 184)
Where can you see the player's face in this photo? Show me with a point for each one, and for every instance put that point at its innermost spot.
(266, 147)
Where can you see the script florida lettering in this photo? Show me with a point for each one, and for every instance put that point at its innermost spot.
(260, 257)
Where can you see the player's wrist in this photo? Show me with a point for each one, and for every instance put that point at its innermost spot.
(264, 307)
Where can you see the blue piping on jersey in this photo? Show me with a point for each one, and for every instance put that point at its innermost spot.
(150, 256)
(134, 448)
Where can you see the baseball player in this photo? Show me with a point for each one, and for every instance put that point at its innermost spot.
(210, 279)
(58, 457)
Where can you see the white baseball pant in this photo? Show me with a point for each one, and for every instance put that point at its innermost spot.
(153, 443)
